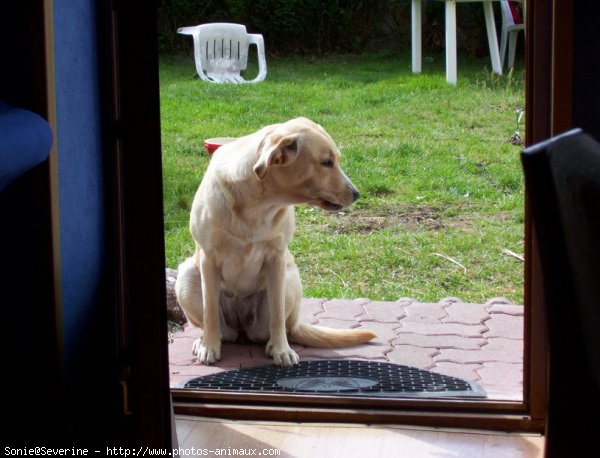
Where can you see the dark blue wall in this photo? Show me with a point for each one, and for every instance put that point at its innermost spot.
(88, 306)
(80, 165)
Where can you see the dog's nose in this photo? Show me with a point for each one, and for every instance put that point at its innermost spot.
(349, 184)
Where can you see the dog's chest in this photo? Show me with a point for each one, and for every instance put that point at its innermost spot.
(242, 266)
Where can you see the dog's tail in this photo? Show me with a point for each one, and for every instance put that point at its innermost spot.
(320, 336)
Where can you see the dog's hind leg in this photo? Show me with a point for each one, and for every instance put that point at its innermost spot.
(188, 289)
(209, 350)
(293, 296)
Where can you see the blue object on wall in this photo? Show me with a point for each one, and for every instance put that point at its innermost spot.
(25, 141)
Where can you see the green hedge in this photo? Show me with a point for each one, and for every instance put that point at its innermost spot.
(324, 26)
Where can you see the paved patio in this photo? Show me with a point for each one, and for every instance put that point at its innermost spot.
(479, 342)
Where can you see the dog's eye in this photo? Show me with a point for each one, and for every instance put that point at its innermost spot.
(328, 163)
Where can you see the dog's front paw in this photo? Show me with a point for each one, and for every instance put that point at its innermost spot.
(207, 354)
(283, 356)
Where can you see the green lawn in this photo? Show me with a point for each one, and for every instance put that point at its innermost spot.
(441, 186)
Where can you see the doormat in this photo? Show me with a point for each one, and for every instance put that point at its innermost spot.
(339, 378)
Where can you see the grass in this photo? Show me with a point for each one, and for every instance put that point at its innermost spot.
(441, 186)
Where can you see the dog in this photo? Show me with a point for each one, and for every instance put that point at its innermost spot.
(242, 283)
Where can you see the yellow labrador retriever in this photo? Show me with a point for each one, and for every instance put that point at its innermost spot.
(242, 280)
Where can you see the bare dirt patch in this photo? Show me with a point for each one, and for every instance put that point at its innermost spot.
(366, 221)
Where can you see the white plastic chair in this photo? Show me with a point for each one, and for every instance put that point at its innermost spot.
(511, 26)
(221, 52)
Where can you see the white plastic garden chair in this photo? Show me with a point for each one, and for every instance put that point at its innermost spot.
(221, 52)
(512, 24)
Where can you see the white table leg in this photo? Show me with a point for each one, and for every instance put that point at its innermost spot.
(490, 25)
(451, 41)
(416, 35)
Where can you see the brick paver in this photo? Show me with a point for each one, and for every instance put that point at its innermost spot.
(385, 312)
(310, 309)
(344, 309)
(425, 313)
(407, 355)
(503, 325)
(478, 342)
(439, 341)
(460, 312)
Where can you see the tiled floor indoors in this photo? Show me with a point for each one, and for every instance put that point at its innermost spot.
(479, 342)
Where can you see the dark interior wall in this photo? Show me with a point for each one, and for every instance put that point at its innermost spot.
(88, 305)
(59, 356)
(586, 67)
(63, 299)
(22, 79)
(30, 355)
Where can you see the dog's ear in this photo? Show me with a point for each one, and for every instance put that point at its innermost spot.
(276, 151)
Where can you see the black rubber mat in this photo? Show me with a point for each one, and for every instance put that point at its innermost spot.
(340, 377)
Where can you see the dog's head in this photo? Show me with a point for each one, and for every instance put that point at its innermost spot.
(299, 160)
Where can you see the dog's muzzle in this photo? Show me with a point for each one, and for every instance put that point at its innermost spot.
(355, 193)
